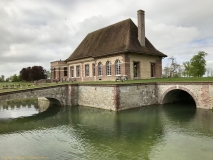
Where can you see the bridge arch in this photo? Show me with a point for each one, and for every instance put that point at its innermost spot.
(181, 93)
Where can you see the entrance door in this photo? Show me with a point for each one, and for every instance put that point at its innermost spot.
(136, 67)
(152, 69)
(54, 73)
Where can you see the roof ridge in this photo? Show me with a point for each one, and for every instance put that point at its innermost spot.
(115, 24)
(116, 38)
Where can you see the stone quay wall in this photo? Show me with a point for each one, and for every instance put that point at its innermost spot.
(119, 96)
(125, 96)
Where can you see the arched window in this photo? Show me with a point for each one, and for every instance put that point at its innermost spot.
(117, 67)
(108, 68)
(100, 68)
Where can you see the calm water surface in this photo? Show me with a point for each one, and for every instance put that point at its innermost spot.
(173, 132)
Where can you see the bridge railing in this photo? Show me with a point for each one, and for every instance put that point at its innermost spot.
(15, 86)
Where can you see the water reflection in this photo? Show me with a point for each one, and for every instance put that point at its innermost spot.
(180, 111)
(19, 108)
(154, 132)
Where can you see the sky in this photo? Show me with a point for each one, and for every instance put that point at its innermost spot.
(37, 32)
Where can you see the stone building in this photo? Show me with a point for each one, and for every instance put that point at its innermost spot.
(120, 49)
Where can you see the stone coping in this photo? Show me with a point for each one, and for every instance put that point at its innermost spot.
(30, 89)
(148, 83)
(108, 85)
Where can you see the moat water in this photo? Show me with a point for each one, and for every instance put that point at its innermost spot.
(159, 132)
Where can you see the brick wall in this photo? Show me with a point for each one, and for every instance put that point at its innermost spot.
(145, 65)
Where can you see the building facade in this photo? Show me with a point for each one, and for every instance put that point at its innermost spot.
(120, 49)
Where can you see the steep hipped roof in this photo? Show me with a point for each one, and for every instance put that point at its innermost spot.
(121, 37)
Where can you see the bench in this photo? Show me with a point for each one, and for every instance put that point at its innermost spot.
(121, 78)
(71, 79)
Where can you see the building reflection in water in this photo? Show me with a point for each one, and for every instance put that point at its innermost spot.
(132, 134)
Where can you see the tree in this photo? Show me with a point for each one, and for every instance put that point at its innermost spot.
(209, 72)
(15, 78)
(48, 73)
(33, 73)
(198, 64)
(174, 70)
(187, 67)
(196, 67)
(2, 78)
(24, 74)
(166, 72)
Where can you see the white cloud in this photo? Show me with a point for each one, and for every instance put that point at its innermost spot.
(37, 32)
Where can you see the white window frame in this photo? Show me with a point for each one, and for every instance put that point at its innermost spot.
(100, 69)
(72, 71)
(108, 68)
(86, 70)
(78, 74)
(117, 67)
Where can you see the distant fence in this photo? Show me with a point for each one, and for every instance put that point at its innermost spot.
(14, 86)
(42, 81)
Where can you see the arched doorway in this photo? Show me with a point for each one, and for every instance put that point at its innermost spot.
(178, 95)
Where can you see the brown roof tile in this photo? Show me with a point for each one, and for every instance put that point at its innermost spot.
(121, 37)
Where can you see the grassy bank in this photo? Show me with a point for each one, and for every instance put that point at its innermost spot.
(26, 85)
(15, 86)
(182, 79)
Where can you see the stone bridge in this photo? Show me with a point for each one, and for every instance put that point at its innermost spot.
(55, 94)
(200, 92)
(121, 96)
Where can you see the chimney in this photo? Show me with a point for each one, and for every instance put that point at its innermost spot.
(141, 27)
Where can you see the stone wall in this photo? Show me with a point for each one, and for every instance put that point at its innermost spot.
(126, 96)
(99, 96)
(137, 95)
(119, 96)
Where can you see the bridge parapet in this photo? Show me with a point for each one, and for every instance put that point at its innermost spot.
(56, 92)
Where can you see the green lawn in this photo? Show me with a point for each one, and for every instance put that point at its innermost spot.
(27, 85)
(15, 86)
(183, 79)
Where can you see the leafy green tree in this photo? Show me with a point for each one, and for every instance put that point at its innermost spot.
(187, 66)
(198, 64)
(196, 67)
(48, 73)
(2, 78)
(15, 78)
(166, 72)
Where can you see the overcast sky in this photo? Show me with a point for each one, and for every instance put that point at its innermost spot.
(36, 32)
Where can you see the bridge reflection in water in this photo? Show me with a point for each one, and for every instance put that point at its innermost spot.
(152, 132)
